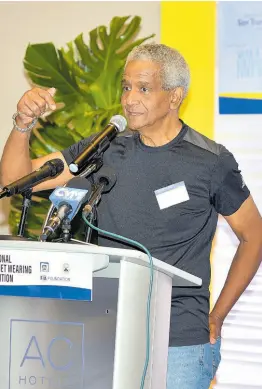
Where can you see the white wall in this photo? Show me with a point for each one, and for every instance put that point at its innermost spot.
(36, 22)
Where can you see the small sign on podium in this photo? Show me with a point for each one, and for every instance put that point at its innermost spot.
(31, 274)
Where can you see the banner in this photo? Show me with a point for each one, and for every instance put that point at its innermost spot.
(31, 274)
(240, 57)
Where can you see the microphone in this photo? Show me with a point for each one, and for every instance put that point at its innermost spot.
(67, 200)
(50, 169)
(98, 144)
(105, 180)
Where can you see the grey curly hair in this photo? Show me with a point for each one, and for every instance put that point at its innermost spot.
(174, 70)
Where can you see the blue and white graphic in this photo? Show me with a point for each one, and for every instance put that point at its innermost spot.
(28, 274)
(240, 57)
(49, 355)
(72, 196)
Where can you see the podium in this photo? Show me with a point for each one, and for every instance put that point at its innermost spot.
(67, 343)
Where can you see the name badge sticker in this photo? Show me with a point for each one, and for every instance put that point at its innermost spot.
(172, 195)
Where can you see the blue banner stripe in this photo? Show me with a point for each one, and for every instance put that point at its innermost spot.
(47, 291)
(236, 106)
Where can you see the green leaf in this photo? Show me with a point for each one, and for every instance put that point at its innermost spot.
(85, 55)
(96, 51)
(116, 25)
(57, 138)
(46, 68)
(104, 37)
(131, 30)
(39, 148)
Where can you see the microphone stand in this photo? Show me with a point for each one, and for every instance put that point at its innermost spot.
(91, 208)
(27, 198)
(66, 231)
(91, 218)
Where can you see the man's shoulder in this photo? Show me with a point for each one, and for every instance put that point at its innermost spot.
(126, 135)
(125, 138)
(201, 141)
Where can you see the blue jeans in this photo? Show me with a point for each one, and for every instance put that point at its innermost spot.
(193, 367)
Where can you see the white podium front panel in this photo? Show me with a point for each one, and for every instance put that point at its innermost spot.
(59, 344)
(52, 344)
(55, 343)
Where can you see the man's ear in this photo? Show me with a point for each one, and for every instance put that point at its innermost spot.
(176, 98)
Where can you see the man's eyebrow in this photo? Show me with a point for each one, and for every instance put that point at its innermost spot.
(141, 82)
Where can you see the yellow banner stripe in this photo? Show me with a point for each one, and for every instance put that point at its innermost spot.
(190, 28)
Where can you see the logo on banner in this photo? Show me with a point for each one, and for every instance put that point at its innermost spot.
(45, 354)
(70, 193)
(44, 267)
(66, 268)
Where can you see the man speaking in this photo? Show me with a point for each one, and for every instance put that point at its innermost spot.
(200, 178)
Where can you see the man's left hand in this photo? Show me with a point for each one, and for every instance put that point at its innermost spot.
(215, 325)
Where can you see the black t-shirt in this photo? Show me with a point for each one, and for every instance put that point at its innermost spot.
(168, 198)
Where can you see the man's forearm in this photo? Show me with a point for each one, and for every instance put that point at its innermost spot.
(243, 268)
(15, 161)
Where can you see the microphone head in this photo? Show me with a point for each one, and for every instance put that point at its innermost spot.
(56, 166)
(119, 122)
(106, 175)
(79, 183)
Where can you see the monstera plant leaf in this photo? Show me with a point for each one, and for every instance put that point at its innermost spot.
(88, 90)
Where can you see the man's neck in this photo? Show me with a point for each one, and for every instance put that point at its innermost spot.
(159, 136)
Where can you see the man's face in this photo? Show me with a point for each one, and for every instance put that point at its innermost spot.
(144, 102)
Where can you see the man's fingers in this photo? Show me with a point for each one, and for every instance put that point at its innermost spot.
(25, 119)
(47, 96)
(34, 99)
(35, 103)
(33, 107)
(25, 111)
(51, 91)
(213, 333)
